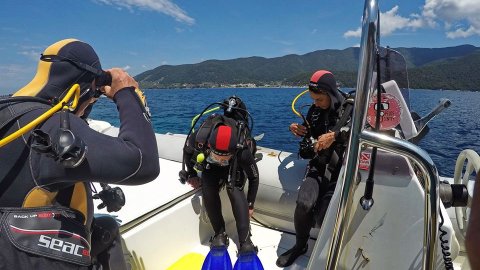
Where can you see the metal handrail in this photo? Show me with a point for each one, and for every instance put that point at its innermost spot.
(359, 137)
(432, 179)
(364, 78)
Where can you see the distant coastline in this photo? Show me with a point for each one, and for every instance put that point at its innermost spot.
(428, 68)
(290, 87)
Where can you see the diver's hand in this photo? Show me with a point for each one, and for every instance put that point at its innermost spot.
(297, 129)
(194, 182)
(120, 80)
(324, 141)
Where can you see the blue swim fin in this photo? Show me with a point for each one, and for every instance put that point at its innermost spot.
(248, 261)
(217, 259)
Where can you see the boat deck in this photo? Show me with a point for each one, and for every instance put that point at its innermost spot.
(270, 243)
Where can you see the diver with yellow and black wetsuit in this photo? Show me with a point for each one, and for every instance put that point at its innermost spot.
(46, 205)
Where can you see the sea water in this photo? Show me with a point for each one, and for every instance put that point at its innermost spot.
(455, 129)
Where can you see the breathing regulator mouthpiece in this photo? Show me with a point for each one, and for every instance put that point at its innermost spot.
(65, 147)
(69, 150)
(112, 198)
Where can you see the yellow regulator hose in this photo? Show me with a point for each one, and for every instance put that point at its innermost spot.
(64, 103)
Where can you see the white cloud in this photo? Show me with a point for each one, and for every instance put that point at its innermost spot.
(14, 76)
(314, 31)
(164, 6)
(390, 22)
(353, 33)
(164, 62)
(461, 33)
(459, 18)
(31, 54)
(127, 67)
(11, 71)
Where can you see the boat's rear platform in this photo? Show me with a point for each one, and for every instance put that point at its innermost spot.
(270, 243)
(178, 234)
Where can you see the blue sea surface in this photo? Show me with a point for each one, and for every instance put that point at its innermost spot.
(455, 129)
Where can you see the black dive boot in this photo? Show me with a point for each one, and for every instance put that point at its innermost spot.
(287, 258)
(247, 247)
(219, 240)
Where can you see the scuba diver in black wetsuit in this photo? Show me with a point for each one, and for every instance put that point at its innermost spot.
(223, 151)
(327, 122)
(46, 205)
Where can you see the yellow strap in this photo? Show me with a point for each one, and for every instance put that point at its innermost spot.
(295, 100)
(74, 91)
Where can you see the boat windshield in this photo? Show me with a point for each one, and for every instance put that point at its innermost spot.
(394, 67)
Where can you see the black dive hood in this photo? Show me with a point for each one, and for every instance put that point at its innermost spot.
(62, 65)
(324, 81)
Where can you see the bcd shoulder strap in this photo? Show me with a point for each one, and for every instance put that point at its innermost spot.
(11, 111)
(346, 114)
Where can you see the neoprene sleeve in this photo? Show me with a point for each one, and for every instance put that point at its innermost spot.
(248, 165)
(129, 159)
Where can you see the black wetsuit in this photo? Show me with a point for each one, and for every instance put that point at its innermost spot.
(215, 177)
(317, 190)
(129, 159)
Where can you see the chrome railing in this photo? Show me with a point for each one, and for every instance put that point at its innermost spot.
(369, 46)
(364, 81)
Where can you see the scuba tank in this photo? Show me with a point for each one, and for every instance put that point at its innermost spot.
(235, 115)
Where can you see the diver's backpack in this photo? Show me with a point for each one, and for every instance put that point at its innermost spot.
(214, 120)
(204, 131)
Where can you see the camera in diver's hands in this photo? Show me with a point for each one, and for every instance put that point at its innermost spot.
(306, 150)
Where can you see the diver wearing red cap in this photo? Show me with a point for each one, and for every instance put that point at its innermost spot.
(316, 190)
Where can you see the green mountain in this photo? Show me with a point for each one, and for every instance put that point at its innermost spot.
(446, 68)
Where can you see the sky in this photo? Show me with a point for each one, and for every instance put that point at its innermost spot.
(139, 35)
